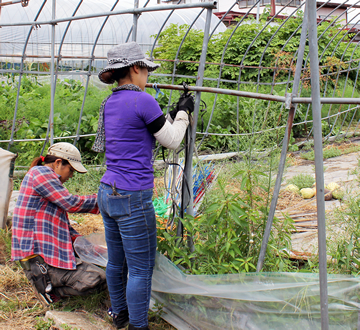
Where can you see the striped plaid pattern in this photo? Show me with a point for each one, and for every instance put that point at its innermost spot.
(40, 222)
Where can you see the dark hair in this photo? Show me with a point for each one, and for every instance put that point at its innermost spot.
(120, 73)
(48, 159)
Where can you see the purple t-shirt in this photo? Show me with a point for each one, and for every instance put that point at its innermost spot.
(128, 143)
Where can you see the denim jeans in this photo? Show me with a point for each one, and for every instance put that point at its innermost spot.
(130, 231)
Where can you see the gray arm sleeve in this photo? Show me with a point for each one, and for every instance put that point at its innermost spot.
(171, 135)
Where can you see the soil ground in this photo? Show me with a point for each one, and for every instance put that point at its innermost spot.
(339, 169)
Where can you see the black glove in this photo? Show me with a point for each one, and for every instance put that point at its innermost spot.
(173, 113)
(186, 103)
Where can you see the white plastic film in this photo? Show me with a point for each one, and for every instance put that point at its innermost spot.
(252, 301)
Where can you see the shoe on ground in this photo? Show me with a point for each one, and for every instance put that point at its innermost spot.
(120, 320)
(45, 299)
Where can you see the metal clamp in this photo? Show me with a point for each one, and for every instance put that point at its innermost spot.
(288, 100)
(42, 268)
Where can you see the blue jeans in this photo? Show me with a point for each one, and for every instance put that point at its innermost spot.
(130, 231)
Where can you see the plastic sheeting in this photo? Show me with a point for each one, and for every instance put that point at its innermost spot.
(92, 249)
(6, 159)
(253, 301)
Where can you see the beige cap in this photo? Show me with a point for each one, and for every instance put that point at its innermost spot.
(69, 152)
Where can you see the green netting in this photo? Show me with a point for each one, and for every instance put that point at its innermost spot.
(160, 206)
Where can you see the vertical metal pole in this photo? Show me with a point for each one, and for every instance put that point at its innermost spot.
(52, 74)
(272, 8)
(199, 82)
(284, 146)
(135, 21)
(319, 170)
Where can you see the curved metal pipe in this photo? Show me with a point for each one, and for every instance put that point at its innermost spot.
(220, 73)
(20, 74)
(204, 5)
(161, 28)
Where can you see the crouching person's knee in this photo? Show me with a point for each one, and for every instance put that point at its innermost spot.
(86, 279)
(50, 283)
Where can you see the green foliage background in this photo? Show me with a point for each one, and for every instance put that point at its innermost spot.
(33, 115)
(235, 56)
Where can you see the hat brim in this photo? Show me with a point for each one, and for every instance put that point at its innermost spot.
(151, 66)
(77, 166)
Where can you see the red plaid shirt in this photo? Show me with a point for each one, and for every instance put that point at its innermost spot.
(40, 222)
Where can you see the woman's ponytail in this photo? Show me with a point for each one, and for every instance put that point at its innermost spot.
(48, 159)
(38, 161)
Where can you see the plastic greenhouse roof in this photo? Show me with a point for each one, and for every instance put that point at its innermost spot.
(82, 34)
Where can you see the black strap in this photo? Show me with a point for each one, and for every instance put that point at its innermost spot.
(202, 111)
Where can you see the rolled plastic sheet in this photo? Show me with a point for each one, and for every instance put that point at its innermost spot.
(254, 301)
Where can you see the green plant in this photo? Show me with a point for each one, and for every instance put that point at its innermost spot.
(308, 145)
(293, 147)
(329, 152)
(308, 155)
(42, 324)
(344, 245)
(223, 141)
(90, 303)
(227, 235)
(33, 115)
(156, 312)
(344, 249)
(302, 180)
(68, 327)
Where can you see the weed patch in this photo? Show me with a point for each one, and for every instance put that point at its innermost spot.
(332, 151)
(302, 181)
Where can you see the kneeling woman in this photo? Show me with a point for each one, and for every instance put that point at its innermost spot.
(42, 237)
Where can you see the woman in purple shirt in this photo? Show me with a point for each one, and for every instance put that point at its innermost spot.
(129, 122)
